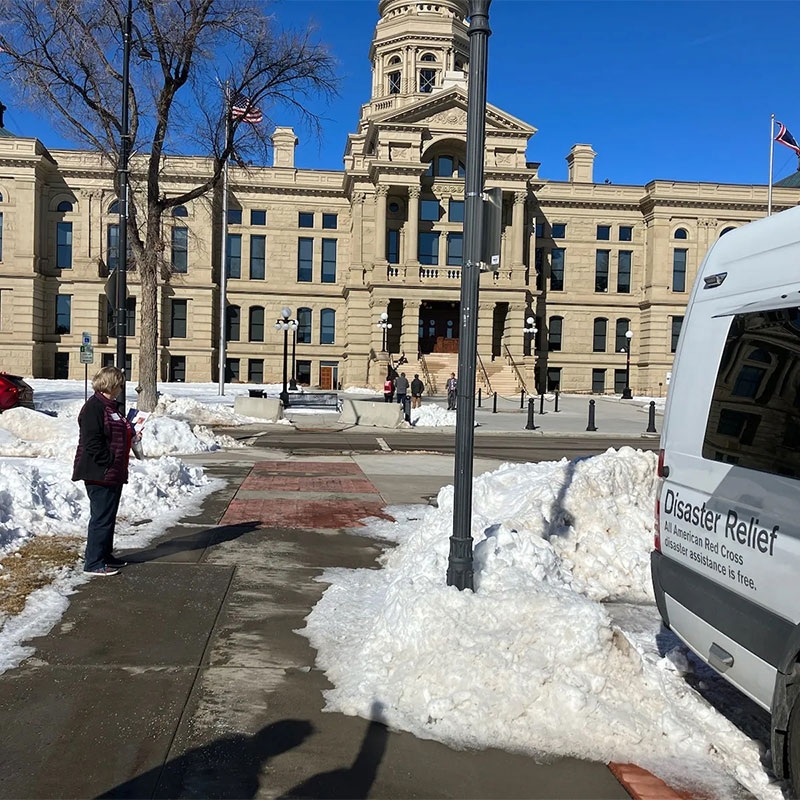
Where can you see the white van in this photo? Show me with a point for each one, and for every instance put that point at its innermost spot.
(726, 565)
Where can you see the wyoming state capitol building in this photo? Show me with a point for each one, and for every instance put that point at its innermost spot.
(587, 260)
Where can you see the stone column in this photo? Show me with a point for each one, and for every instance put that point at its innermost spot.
(409, 330)
(485, 325)
(380, 222)
(518, 229)
(513, 335)
(412, 240)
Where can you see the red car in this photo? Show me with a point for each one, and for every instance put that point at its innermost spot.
(14, 392)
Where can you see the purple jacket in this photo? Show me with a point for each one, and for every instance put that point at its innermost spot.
(104, 444)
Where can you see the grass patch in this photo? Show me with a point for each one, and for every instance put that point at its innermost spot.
(33, 566)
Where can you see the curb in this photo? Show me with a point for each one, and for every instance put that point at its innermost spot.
(643, 785)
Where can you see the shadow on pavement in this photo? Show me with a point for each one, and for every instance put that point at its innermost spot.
(354, 782)
(226, 768)
(196, 540)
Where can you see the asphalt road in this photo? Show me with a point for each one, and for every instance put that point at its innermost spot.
(511, 447)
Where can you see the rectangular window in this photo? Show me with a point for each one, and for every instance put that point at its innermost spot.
(625, 233)
(305, 260)
(112, 247)
(234, 216)
(258, 258)
(430, 210)
(539, 230)
(64, 245)
(599, 336)
(677, 324)
(329, 260)
(559, 230)
(177, 321)
(303, 372)
(258, 216)
(233, 255)
(180, 249)
(601, 258)
(63, 313)
(327, 326)
(393, 246)
(233, 316)
(538, 263)
(428, 251)
(455, 211)
(557, 269)
(305, 219)
(130, 318)
(61, 366)
(330, 222)
(304, 326)
(554, 333)
(232, 370)
(553, 379)
(679, 270)
(624, 259)
(620, 380)
(598, 381)
(110, 360)
(256, 332)
(427, 80)
(177, 369)
(455, 249)
(603, 233)
(255, 370)
(620, 339)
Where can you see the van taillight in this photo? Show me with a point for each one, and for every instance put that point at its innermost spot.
(659, 484)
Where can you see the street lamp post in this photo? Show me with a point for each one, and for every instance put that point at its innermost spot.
(385, 325)
(286, 324)
(529, 329)
(293, 379)
(627, 394)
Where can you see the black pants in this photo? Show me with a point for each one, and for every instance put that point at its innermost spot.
(451, 400)
(103, 505)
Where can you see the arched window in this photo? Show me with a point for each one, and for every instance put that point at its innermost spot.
(554, 332)
(444, 166)
(620, 340)
(1, 197)
(64, 205)
(681, 234)
(256, 327)
(599, 335)
(727, 230)
(327, 326)
(461, 171)
(429, 171)
(304, 326)
(233, 315)
(114, 207)
(180, 211)
(394, 60)
(428, 57)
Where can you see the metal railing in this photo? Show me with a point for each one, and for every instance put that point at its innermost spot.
(510, 360)
(485, 374)
(428, 378)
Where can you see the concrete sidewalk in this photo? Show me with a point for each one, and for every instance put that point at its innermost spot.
(183, 677)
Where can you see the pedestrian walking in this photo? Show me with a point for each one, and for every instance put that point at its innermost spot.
(401, 387)
(451, 386)
(101, 462)
(388, 389)
(417, 388)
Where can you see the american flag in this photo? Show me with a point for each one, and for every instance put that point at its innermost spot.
(784, 137)
(241, 108)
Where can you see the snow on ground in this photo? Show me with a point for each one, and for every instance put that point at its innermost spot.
(429, 415)
(533, 660)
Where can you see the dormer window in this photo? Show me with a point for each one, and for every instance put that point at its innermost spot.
(428, 57)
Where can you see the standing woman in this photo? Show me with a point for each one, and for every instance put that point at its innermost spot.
(101, 461)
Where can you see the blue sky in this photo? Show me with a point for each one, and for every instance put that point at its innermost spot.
(677, 90)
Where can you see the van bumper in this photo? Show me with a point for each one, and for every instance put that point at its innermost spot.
(656, 560)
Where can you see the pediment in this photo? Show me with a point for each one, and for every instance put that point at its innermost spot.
(448, 111)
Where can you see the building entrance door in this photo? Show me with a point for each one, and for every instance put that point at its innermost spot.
(438, 327)
(328, 376)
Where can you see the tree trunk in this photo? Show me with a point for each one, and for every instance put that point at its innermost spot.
(149, 345)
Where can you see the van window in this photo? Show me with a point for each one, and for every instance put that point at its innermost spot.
(754, 418)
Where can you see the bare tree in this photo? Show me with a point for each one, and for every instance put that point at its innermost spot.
(65, 57)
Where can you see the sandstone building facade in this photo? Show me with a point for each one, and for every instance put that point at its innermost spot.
(587, 260)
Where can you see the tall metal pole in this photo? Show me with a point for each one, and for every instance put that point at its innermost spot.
(293, 379)
(285, 393)
(223, 272)
(124, 192)
(459, 569)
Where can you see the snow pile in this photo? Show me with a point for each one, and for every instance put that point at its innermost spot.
(165, 436)
(363, 390)
(530, 661)
(429, 415)
(199, 413)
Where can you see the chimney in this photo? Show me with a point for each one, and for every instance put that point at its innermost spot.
(581, 163)
(283, 143)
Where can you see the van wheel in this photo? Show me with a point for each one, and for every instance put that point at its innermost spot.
(793, 747)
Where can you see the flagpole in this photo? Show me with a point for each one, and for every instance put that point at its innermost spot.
(223, 279)
(771, 156)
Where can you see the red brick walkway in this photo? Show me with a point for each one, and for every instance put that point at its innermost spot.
(305, 480)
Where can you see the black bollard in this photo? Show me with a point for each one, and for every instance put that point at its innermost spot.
(522, 399)
(407, 409)
(591, 426)
(557, 395)
(651, 418)
(530, 426)
(541, 403)
(479, 397)
(494, 404)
